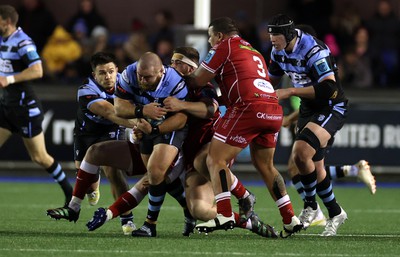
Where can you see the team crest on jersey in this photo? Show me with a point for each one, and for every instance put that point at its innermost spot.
(209, 56)
(321, 66)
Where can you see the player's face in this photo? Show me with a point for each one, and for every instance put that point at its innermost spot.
(278, 41)
(214, 37)
(183, 68)
(3, 27)
(106, 75)
(148, 78)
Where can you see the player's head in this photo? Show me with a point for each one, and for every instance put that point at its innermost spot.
(282, 25)
(8, 20)
(149, 71)
(220, 28)
(104, 69)
(185, 60)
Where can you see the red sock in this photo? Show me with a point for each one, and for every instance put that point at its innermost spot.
(83, 182)
(239, 190)
(286, 209)
(123, 204)
(223, 201)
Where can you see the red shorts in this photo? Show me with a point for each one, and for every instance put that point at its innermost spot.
(257, 122)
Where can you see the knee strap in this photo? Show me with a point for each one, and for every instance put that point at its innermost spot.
(308, 136)
(319, 155)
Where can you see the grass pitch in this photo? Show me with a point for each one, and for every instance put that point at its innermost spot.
(372, 229)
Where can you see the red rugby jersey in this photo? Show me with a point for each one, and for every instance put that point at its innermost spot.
(241, 71)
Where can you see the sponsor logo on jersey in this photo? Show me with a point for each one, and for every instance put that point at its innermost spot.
(321, 117)
(238, 139)
(32, 54)
(263, 85)
(209, 56)
(321, 66)
(266, 116)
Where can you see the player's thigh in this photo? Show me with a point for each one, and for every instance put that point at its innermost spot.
(113, 153)
(198, 189)
(5, 134)
(36, 148)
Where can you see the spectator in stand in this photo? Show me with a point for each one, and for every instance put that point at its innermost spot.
(60, 50)
(87, 17)
(36, 21)
(384, 29)
(164, 22)
(355, 64)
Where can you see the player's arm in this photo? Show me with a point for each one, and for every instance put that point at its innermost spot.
(325, 89)
(199, 77)
(106, 110)
(175, 122)
(34, 71)
(290, 118)
(203, 109)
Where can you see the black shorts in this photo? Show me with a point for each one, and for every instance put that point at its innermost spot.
(83, 142)
(331, 120)
(25, 121)
(175, 138)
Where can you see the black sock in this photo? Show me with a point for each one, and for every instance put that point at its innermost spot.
(156, 199)
(176, 190)
(58, 174)
(125, 218)
(325, 192)
(309, 182)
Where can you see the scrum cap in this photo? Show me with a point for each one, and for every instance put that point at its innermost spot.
(282, 24)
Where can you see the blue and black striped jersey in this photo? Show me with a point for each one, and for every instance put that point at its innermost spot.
(87, 122)
(17, 52)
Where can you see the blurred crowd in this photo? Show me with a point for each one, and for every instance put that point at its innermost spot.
(367, 50)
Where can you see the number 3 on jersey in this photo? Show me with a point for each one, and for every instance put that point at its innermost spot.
(261, 69)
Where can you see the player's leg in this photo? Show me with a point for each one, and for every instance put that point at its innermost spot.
(361, 170)
(5, 134)
(262, 159)
(337, 215)
(125, 203)
(245, 197)
(109, 153)
(158, 163)
(36, 148)
(119, 185)
(220, 155)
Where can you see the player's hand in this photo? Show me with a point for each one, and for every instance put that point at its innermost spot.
(283, 93)
(3, 82)
(173, 104)
(144, 126)
(154, 111)
(286, 122)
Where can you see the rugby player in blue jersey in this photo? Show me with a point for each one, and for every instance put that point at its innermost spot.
(311, 67)
(21, 112)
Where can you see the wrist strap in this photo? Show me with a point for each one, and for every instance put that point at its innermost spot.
(10, 80)
(139, 111)
(155, 131)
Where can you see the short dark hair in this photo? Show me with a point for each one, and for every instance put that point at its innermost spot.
(225, 25)
(189, 52)
(7, 11)
(100, 58)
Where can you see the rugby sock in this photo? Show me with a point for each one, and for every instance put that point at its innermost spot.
(176, 190)
(125, 218)
(309, 182)
(238, 190)
(325, 192)
(156, 199)
(285, 208)
(59, 176)
(246, 224)
(335, 172)
(223, 200)
(83, 181)
(126, 202)
(299, 186)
